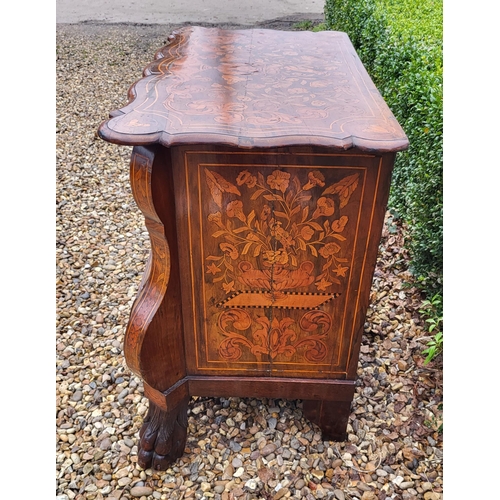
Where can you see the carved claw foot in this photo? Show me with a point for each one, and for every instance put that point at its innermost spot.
(162, 436)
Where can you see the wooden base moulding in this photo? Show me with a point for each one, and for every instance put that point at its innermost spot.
(164, 432)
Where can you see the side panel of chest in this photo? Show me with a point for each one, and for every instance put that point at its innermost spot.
(275, 258)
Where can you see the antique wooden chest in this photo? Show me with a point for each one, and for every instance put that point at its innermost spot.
(262, 162)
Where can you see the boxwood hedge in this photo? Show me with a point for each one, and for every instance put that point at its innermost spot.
(400, 44)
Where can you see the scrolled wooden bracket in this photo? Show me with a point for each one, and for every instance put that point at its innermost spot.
(154, 332)
(155, 278)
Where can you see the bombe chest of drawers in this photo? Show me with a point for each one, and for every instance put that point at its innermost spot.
(262, 162)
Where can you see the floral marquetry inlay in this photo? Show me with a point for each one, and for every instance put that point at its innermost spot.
(280, 230)
(278, 245)
(256, 88)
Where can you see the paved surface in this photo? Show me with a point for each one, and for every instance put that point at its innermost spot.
(187, 11)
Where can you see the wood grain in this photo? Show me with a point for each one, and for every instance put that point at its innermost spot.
(256, 88)
(154, 335)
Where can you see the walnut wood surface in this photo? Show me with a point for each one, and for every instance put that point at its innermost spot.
(330, 416)
(256, 88)
(154, 335)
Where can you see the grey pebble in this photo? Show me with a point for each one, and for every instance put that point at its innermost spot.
(406, 484)
(299, 484)
(234, 446)
(339, 494)
(105, 444)
(123, 394)
(364, 487)
(268, 449)
(77, 396)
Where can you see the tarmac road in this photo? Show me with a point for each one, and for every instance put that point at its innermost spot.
(239, 12)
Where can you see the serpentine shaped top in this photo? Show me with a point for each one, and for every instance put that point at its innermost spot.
(256, 88)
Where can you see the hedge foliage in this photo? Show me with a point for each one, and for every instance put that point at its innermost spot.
(400, 44)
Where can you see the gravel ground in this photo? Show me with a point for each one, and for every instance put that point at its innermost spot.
(237, 448)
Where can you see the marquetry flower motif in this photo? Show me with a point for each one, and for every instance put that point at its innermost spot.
(323, 284)
(325, 207)
(269, 239)
(215, 217)
(329, 249)
(284, 237)
(230, 250)
(278, 180)
(314, 178)
(228, 287)
(265, 212)
(233, 79)
(213, 269)
(339, 224)
(235, 209)
(246, 178)
(307, 232)
(340, 270)
(275, 257)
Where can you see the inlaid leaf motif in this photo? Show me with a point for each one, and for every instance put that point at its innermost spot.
(344, 188)
(257, 194)
(218, 185)
(305, 213)
(239, 318)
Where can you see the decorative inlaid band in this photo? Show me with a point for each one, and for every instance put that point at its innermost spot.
(280, 300)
